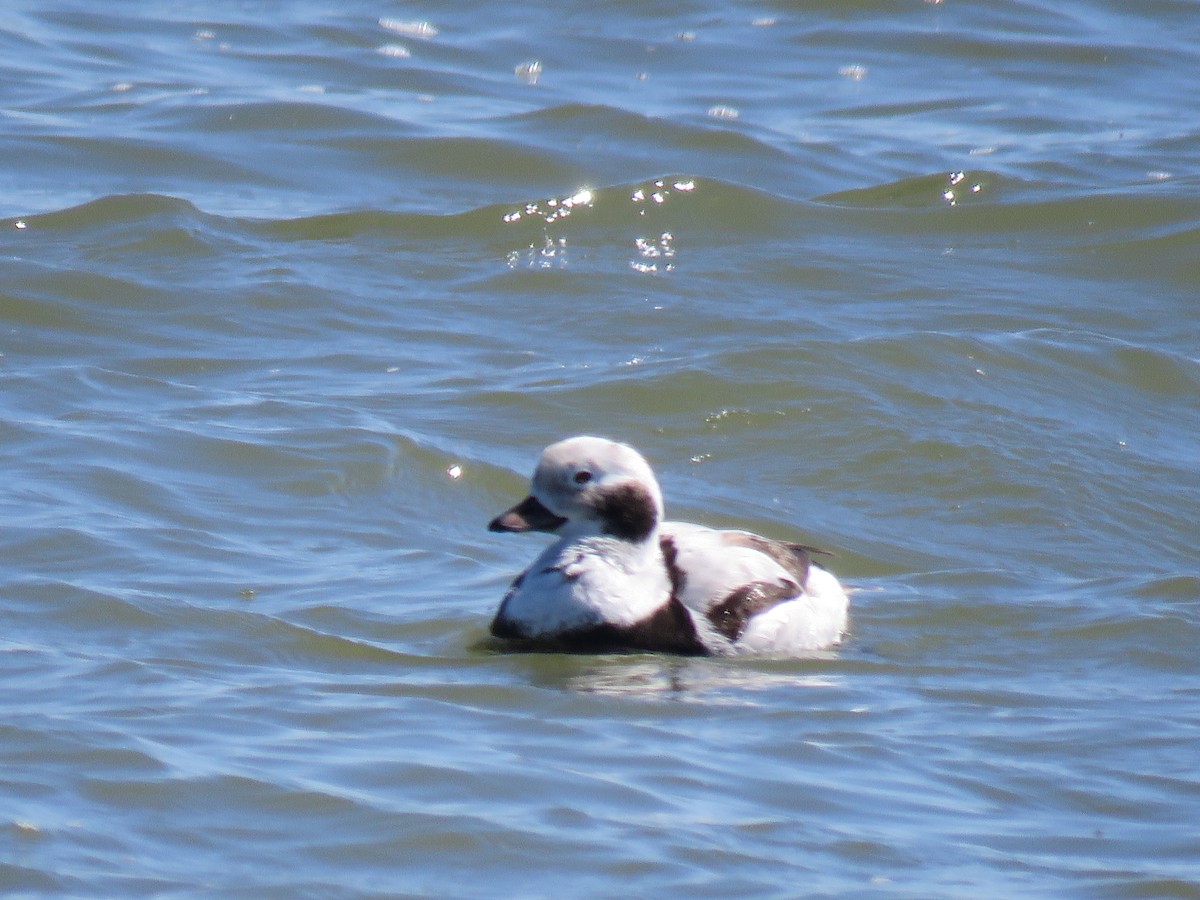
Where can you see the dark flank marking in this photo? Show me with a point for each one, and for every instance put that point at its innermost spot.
(628, 512)
(731, 615)
(668, 630)
(503, 628)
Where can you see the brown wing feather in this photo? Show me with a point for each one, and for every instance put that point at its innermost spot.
(795, 558)
(732, 614)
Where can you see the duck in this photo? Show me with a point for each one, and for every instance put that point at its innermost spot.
(618, 576)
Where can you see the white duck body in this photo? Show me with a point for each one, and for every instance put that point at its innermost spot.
(618, 576)
(811, 614)
(578, 583)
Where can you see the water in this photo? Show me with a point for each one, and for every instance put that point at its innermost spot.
(293, 295)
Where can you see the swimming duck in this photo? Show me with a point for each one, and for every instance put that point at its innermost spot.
(620, 577)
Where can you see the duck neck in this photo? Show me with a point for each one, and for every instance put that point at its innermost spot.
(631, 556)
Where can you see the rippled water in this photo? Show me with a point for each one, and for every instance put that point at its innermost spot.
(293, 294)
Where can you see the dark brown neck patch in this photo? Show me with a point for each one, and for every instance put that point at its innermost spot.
(627, 511)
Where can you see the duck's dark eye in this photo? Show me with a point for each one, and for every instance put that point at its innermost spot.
(583, 476)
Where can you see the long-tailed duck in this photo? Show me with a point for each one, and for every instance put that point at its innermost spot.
(618, 576)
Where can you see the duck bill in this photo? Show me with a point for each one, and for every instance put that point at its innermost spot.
(528, 515)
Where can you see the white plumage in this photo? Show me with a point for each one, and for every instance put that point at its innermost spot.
(618, 576)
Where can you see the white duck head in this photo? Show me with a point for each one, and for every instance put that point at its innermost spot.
(587, 486)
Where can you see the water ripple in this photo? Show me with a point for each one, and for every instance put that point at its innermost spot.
(292, 301)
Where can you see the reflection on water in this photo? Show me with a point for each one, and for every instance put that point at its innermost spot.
(719, 682)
